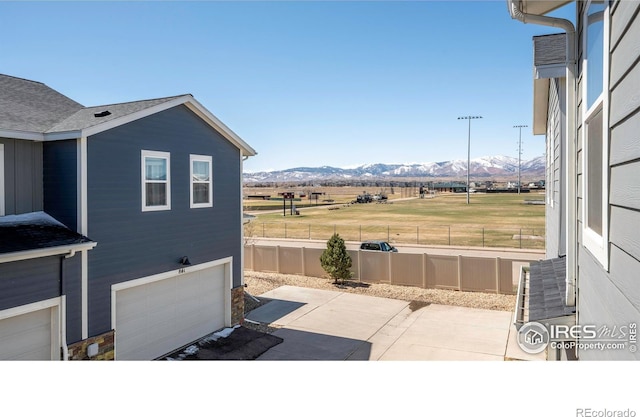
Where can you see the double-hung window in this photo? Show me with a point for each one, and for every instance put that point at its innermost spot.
(201, 181)
(156, 181)
(595, 130)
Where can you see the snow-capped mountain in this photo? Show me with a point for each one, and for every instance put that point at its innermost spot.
(488, 166)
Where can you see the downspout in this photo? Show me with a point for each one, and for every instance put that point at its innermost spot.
(515, 10)
(63, 308)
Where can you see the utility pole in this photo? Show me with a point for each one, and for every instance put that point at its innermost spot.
(469, 148)
(519, 127)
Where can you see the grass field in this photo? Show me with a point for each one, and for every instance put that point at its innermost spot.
(491, 220)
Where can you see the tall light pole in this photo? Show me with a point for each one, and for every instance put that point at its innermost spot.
(469, 148)
(519, 127)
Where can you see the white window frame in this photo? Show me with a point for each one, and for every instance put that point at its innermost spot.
(2, 209)
(209, 160)
(155, 154)
(597, 244)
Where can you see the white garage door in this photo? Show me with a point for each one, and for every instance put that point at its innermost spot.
(30, 336)
(158, 317)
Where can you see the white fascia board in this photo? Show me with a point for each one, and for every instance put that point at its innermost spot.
(71, 134)
(224, 130)
(41, 253)
(540, 105)
(20, 134)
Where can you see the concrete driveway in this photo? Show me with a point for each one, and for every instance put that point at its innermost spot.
(331, 325)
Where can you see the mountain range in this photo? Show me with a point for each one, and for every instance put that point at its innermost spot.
(484, 167)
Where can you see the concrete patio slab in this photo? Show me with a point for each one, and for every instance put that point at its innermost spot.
(330, 325)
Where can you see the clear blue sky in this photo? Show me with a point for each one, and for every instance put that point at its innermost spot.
(304, 83)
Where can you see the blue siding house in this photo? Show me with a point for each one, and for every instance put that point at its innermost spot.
(586, 83)
(120, 225)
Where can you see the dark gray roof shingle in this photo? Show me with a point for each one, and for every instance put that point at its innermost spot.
(33, 231)
(547, 290)
(31, 106)
(86, 117)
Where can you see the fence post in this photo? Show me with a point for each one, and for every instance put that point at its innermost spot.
(309, 231)
(253, 256)
(497, 275)
(424, 270)
(263, 230)
(361, 233)
(389, 270)
(302, 261)
(460, 272)
(278, 259)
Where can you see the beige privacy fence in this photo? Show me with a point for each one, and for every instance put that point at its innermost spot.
(464, 273)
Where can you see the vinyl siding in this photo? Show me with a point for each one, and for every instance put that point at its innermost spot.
(38, 279)
(23, 176)
(61, 181)
(613, 297)
(132, 243)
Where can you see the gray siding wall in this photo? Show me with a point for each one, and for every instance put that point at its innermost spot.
(23, 176)
(613, 297)
(33, 280)
(556, 145)
(61, 181)
(133, 244)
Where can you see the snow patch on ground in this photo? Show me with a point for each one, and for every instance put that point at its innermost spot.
(193, 349)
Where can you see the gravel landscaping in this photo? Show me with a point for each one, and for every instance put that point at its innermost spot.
(257, 283)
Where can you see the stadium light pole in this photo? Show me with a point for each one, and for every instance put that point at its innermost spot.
(519, 127)
(469, 148)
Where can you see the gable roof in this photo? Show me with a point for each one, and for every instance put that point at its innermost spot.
(32, 110)
(93, 116)
(31, 106)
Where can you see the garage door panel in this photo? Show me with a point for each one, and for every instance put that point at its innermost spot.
(27, 336)
(155, 318)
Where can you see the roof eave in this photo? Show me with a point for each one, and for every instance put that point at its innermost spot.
(214, 122)
(541, 7)
(21, 134)
(40, 253)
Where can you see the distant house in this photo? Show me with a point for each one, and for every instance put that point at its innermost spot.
(586, 83)
(120, 225)
(450, 187)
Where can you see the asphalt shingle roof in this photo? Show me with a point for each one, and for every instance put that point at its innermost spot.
(86, 117)
(33, 231)
(31, 106)
(547, 290)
